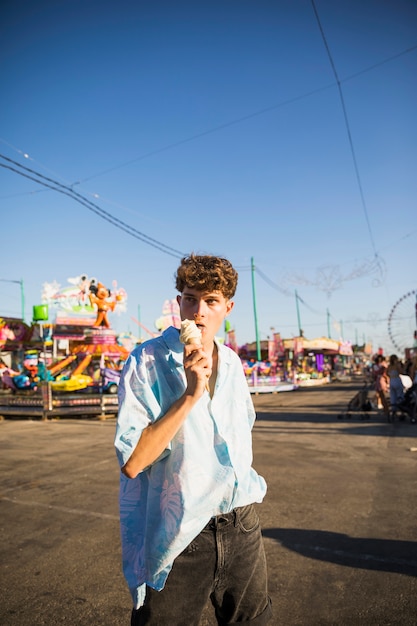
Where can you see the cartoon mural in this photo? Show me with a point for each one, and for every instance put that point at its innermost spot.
(86, 298)
(101, 297)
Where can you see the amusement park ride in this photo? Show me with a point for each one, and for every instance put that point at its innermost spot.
(91, 366)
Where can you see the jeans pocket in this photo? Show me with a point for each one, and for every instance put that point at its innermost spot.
(248, 519)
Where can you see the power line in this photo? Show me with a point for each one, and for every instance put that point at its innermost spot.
(215, 129)
(23, 193)
(244, 118)
(231, 122)
(91, 206)
(285, 292)
(310, 308)
(352, 149)
(379, 63)
(264, 277)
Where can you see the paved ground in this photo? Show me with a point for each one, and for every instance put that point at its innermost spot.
(339, 519)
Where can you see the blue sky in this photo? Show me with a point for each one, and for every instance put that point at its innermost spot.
(217, 127)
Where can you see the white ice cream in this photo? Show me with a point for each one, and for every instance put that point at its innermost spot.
(190, 333)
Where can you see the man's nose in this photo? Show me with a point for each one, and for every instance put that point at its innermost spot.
(200, 308)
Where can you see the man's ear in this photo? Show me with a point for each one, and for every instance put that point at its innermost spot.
(179, 299)
(229, 307)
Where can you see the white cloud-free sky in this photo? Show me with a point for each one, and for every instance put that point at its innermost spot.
(248, 129)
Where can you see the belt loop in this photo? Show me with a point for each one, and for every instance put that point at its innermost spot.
(236, 517)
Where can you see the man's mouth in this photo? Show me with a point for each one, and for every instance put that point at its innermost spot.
(198, 322)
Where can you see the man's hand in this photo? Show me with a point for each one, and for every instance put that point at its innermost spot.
(197, 366)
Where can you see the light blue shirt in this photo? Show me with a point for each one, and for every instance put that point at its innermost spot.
(207, 469)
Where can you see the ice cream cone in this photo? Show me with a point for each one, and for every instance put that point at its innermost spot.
(190, 333)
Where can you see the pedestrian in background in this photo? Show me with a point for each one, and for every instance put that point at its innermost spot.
(396, 388)
(382, 383)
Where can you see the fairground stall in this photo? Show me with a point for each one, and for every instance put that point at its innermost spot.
(297, 361)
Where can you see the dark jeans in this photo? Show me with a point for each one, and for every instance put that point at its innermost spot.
(226, 564)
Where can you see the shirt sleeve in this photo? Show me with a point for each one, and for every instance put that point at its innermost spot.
(138, 405)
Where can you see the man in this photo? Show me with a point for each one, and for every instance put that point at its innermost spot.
(189, 530)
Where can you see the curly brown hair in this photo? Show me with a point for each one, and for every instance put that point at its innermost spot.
(207, 273)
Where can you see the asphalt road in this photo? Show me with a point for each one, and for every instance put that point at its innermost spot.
(339, 519)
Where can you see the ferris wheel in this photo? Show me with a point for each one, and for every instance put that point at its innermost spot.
(402, 322)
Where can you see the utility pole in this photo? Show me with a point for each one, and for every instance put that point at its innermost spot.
(255, 315)
(298, 314)
(22, 298)
(328, 324)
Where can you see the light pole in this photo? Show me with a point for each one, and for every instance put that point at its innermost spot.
(328, 324)
(298, 314)
(258, 343)
(22, 293)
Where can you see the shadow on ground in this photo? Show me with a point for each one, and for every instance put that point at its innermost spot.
(385, 555)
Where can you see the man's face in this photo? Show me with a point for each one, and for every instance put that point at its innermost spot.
(207, 308)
